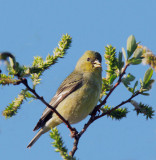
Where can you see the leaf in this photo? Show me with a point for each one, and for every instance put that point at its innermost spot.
(148, 86)
(124, 54)
(147, 76)
(141, 83)
(145, 94)
(120, 64)
(138, 53)
(130, 89)
(126, 81)
(112, 78)
(131, 45)
(135, 85)
(12, 62)
(134, 61)
(129, 77)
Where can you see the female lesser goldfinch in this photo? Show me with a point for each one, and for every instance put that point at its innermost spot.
(76, 97)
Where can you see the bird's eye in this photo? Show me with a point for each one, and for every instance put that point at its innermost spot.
(88, 59)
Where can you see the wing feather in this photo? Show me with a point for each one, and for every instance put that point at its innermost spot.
(70, 84)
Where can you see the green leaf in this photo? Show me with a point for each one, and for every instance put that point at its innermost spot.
(135, 85)
(128, 79)
(147, 76)
(138, 53)
(130, 89)
(134, 61)
(124, 54)
(12, 62)
(120, 62)
(145, 94)
(112, 78)
(141, 83)
(131, 46)
(148, 86)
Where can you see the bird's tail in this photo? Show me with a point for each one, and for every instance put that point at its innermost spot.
(40, 132)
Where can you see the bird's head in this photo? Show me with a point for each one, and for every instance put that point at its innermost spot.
(89, 62)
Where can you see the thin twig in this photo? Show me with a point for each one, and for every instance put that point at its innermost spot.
(93, 115)
(91, 120)
(117, 83)
(122, 103)
(24, 81)
(74, 149)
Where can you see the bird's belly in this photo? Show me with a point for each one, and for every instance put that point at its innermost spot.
(78, 104)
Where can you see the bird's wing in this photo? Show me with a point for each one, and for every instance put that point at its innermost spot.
(69, 85)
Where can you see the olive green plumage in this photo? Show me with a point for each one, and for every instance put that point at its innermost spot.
(77, 95)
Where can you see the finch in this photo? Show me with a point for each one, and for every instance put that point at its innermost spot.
(76, 97)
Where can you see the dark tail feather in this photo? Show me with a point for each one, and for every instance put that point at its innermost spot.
(40, 132)
(38, 125)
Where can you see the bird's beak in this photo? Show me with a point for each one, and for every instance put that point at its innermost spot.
(96, 64)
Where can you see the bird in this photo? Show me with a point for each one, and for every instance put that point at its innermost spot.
(77, 95)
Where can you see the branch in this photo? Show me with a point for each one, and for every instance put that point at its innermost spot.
(92, 119)
(117, 83)
(6, 80)
(122, 103)
(15, 105)
(76, 141)
(93, 115)
(72, 130)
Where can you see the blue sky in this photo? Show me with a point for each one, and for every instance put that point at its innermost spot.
(34, 27)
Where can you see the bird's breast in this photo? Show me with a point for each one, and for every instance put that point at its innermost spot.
(76, 106)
